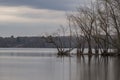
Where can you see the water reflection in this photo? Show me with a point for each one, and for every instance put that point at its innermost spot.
(59, 68)
(98, 68)
(28, 54)
(116, 67)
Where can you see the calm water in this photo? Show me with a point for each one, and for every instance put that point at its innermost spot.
(43, 64)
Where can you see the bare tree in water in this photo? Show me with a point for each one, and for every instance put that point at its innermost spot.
(59, 41)
(84, 19)
(76, 32)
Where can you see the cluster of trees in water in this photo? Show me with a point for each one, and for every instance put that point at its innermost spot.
(98, 22)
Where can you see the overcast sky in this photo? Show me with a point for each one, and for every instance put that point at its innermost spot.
(34, 17)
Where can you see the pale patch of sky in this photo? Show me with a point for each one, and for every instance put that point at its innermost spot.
(34, 17)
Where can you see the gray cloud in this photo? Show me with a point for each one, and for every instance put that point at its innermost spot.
(44, 4)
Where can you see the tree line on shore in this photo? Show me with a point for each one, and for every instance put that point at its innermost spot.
(30, 42)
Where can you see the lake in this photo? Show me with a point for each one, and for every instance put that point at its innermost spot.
(44, 64)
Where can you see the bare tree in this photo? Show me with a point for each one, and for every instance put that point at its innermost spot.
(85, 21)
(76, 33)
(59, 41)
